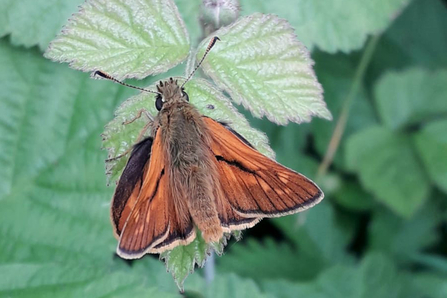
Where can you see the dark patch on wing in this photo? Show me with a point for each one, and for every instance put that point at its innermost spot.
(236, 134)
(132, 174)
(234, 163)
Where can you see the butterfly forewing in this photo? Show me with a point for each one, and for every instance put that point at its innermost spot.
(151, 226)
(255, 185)
(129, 185)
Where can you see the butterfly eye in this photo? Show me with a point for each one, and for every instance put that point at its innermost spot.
(158, 102)
(185, 95)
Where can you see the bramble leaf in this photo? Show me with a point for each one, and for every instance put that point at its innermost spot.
(410, 97)
(73, 280)
(268, 259)
(231, 285)
(415, 38)
(261, 64)
(375, 277)
(431, 143)
(131, 39)
(371, 152)
(31, 22)
(402, 239)
(332, 25)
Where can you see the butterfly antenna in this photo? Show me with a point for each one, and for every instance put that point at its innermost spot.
(208, 49)
(109, 77)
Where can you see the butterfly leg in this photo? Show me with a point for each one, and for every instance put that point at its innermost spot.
(140, 135)
(138, 116)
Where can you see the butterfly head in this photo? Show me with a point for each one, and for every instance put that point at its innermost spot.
(170, 91)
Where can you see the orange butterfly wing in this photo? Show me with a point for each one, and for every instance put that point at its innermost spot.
(254, 185)
(129, 185)
(145, 217)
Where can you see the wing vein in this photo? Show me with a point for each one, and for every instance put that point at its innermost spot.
(263, 190)
(241, 180)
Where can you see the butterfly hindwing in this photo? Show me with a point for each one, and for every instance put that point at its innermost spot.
(254, 185)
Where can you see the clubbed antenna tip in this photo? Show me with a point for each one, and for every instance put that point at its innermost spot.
(109, 77)
(208, 49)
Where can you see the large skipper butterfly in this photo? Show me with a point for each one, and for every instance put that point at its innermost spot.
(194, 171)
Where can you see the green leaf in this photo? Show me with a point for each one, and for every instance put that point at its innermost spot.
(56, 280)
(226, 286)
(305, 230)
(269, 259)
(429, 285)
(332, 25)
(262, 65)
(379, 278)
(431, 143)
(376, 276)
(206, 98)
(352, 196)
(404, 239)
(288, 289)
(332, 246)
(51, 182)
(41, 118)
(131, 39)
(416, 38)
(31, 22)
(233, 286)
(181, 260)
(388, 168)
(411, 97)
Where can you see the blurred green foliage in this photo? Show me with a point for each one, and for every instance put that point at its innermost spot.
(380, 232)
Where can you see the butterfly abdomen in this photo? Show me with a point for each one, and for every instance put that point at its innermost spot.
(192, 171)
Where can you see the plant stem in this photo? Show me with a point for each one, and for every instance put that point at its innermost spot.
(210, 268)
(344, 114)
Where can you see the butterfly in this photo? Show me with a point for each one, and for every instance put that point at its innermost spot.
(194, 172)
